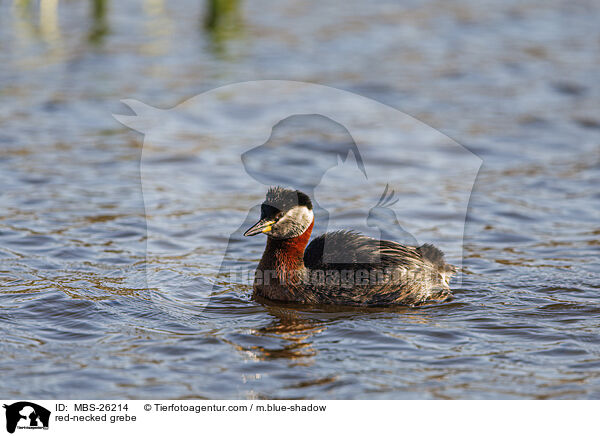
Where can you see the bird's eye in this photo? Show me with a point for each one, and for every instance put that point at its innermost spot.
(278, 216)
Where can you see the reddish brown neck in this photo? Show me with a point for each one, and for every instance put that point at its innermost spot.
(285, 255)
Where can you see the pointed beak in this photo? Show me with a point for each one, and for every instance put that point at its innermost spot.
(263, 226)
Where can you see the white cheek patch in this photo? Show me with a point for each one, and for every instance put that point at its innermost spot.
(295, 221)
(300, 215)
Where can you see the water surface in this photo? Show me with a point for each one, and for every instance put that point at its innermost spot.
(516, 83)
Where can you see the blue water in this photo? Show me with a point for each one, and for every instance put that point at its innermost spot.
(101, 299)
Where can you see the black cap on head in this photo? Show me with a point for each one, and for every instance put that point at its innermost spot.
(284, 199)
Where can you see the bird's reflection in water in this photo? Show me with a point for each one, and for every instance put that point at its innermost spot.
(295, 329)
(291, 332)
(287, 336)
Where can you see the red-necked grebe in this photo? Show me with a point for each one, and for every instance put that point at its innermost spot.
(342, 267)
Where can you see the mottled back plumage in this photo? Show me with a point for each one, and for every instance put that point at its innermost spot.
(397, 274)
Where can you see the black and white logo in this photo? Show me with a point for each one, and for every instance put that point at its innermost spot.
(26, 415)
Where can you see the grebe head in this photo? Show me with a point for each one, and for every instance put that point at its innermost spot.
(285, 214)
